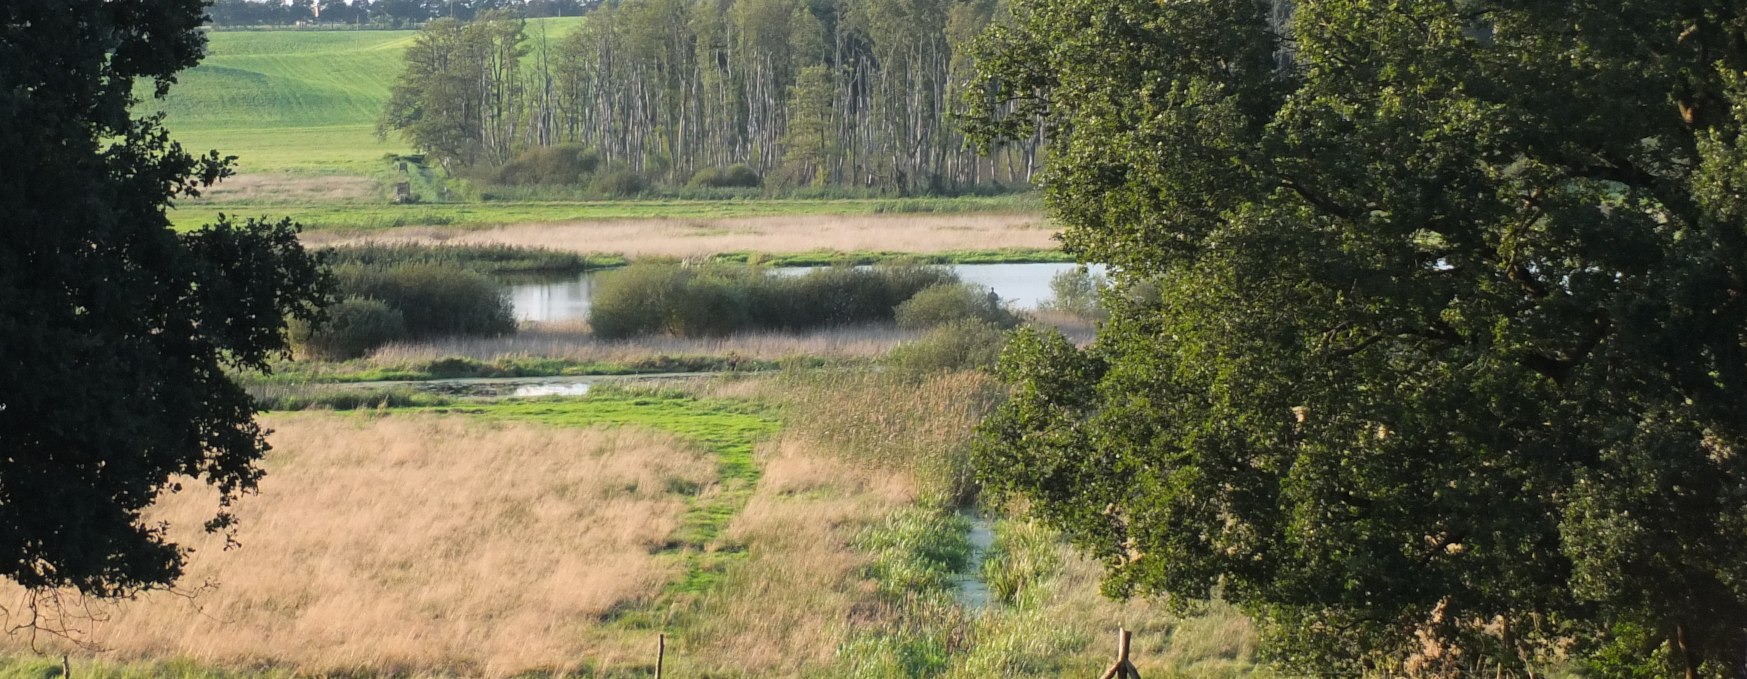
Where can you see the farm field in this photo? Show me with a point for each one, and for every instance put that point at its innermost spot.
(766, 526)
(301, 102)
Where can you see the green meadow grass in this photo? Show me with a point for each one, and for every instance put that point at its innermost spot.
(371, 217)
(299, 101)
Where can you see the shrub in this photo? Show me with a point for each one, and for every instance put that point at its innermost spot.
(967, 344)
(733, 176)
(1076, 292)
(721, 299)
(633, 300)
(618, 183)
(952, 302)
(434, 300)
(354, 327)
(564, 164)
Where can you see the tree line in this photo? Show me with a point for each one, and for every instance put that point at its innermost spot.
(856, 93)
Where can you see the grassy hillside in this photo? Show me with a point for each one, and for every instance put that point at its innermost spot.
(303, 101)
(298, 101)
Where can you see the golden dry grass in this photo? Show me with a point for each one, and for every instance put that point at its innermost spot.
(919, 233)
(787, 609)
(423, 544)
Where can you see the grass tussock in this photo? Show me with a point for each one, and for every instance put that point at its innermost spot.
(422, 544)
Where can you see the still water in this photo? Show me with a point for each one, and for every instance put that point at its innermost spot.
(1024, 286)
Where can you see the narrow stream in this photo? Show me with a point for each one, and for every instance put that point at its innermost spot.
(973, 591)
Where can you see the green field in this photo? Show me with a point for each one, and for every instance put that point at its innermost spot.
(298, 101)
(366, 217)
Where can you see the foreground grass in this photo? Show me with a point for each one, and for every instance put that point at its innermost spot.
(416, 542)
(828, 547)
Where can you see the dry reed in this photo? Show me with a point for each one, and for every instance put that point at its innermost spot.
(422, 544)
(788, 609)
(571, 341)
(919, 233)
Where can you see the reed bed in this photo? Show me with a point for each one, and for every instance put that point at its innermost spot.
(427, 545)
(573, 342)
(918, 233)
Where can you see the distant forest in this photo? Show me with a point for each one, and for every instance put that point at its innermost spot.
(789, 93)
(377, 13)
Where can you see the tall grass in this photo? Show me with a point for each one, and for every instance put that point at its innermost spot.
(573, 342)
(493, 260)
(423, 545)
(889, 421)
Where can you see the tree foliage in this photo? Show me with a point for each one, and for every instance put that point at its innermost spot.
(1428, 342)
(839, 92)
(117, 333)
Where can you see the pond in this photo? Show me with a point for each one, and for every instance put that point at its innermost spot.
(1024, 286)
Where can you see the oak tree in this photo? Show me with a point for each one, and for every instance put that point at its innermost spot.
(118, 334)
(1428, 343)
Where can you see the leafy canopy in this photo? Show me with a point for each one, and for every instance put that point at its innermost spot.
(1428, 344)
(115, 332)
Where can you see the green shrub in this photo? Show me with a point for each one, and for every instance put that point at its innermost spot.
(733, 176)
(720, 299)
(564, 164)
(950, 303)
(634, 300)
(968, 344)
(433, 300)
(619, 183)
(354, 326)
(1076, 292)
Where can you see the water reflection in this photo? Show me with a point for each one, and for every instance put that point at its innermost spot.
(556, 389)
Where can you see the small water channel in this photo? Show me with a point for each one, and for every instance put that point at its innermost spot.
(1025, 286)
(972, 589)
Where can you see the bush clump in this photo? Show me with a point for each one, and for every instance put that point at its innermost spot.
(737, 176)
(561, 165)
(950, 303)
(654, 297)
(434, 300)
(966, 344)
(354, 326)
(619, 183)
(1075, 292)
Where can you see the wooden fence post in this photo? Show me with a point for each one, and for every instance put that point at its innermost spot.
(1122, 668)
(660, 654)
